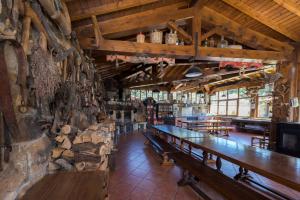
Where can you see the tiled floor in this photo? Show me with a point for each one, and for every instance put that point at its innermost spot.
(138, 174)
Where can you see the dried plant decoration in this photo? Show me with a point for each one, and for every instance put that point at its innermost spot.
(45, 73)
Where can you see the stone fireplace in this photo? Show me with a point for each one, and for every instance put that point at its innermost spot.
(28, 163)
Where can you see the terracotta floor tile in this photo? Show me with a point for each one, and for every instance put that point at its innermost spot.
(140, 194)
(139, 175)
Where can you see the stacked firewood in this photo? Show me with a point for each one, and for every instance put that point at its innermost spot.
(83, 150)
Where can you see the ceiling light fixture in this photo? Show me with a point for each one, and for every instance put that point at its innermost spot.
(156, 90)
(193, 72)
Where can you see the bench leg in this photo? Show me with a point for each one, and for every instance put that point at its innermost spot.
(146, 142)
(166, 160)
(185, 178)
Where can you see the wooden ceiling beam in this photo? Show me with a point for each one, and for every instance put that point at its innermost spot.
(290, 6)
(261, 17)
(142, 21)
(182, 34)
(248, 35)
(79, 10)
(210, 33)
(187, 51)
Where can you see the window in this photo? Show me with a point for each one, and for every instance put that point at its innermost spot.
(193, 97)
(138, 94)
(133, 94)
(244, 107)
(232, 107)
(264, 107)
(223, 95)
(233, 94)
(243, 93)
(143, 94)
(232, 102)
(149, 93)
(222, 108)
(155, 96)
(214, 107)
(236, 102)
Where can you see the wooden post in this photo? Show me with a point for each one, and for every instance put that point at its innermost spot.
(196, 27)
(281, 97)
(294, 76)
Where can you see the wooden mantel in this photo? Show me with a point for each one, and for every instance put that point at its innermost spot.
(187, 51)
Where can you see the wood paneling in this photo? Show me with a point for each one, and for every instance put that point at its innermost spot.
(283, 29)
(135, 23)
(79, 10)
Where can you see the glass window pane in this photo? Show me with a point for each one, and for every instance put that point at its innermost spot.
(264, 106)
(161, 96)
(222, 108)
(244, 107)
(267, 90)
(243, 92)
(156, 96)
(143, 94)
(132, 94)
(223, 95)
(165, 95)
(232, 107)
(178, 96)
(214, 96)
(138, 94)
(214, 107)
(149, 93)
(233, 94)
(194, 100)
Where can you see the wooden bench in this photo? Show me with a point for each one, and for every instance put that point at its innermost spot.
(162, 148)
(223, 186)
(211, 129)
(260, 141)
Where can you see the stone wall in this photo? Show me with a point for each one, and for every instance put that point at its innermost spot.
(28, 163)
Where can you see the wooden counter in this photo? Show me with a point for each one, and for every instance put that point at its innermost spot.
(70, 186)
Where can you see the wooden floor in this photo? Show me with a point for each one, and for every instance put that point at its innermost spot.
(69, 186)
(138, 174)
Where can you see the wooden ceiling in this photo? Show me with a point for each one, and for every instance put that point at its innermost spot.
(267, 29)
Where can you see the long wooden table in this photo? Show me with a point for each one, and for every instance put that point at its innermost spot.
(277, 167)
(178, 132)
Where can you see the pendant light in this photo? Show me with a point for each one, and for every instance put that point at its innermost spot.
(155, 90)
(193, 72)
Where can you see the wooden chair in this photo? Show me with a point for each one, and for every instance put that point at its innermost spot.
(260, 141)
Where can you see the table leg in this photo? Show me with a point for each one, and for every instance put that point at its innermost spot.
(205, 157)
(219, 164)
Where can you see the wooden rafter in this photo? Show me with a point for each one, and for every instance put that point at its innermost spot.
(261, 17)
(80, 11)
(210, 33)
(289, 5)
(212, 17)
(142, 21)
(177, 51)
(98, 35)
